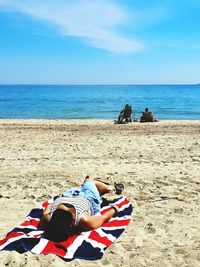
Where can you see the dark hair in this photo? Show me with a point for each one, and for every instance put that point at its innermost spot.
(146, 109)
(58, 229)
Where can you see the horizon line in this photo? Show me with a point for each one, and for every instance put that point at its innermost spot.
(96, 84)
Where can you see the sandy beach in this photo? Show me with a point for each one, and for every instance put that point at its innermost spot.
(159, 164)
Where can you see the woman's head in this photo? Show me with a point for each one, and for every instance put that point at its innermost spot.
(58, 229)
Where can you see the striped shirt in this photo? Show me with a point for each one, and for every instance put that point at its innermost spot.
(80, 204)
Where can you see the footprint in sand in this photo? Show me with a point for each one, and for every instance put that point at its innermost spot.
(150, 229)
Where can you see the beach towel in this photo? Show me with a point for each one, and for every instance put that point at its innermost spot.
(89, 245)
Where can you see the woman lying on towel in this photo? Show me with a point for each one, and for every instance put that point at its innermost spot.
(76, 210)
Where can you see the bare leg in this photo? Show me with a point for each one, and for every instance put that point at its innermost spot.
(102, 187)
(120, 118)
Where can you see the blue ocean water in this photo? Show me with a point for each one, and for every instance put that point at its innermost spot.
(171, 102)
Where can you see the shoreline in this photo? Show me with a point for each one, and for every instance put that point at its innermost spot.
(135, 128)
(93, 122)
(157, 162)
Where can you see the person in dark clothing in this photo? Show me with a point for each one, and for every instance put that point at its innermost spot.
(126, 114)
(147, 116)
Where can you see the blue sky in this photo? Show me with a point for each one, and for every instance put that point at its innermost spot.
(99, 41)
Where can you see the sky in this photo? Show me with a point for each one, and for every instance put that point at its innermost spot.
(99, 41)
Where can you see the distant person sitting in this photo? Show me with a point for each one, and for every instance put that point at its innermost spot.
(147, 116)
(126, 114)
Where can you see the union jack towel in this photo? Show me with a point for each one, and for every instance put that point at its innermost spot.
(89, 245)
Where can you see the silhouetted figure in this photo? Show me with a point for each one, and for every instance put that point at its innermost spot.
(126, 114)
(147, 116)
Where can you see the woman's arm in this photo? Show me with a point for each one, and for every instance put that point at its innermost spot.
(45, 217)
(92, 222)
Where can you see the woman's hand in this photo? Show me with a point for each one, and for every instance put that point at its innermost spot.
(47, 210)
(45, 217)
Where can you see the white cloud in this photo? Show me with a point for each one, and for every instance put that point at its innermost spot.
(96, 21)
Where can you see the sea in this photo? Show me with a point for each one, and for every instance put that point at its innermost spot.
(168, 102)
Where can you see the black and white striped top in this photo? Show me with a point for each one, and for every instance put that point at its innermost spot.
(80, 204)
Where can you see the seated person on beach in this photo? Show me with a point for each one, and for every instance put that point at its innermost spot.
(147, 116)
(125, 114)
(76, 210)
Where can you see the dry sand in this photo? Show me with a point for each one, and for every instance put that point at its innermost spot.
(158, 163)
